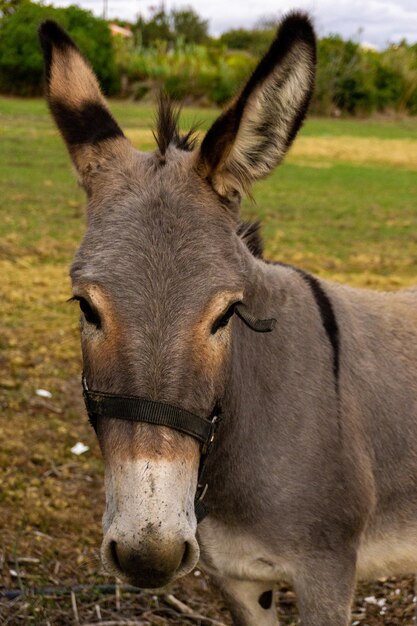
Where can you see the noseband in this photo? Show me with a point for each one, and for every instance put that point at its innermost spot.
(137, 409)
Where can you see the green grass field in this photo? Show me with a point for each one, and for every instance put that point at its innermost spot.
(344, 205)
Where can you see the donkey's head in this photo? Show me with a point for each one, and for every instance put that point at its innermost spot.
(158, 275)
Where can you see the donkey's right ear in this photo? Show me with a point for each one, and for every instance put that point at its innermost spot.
(253, 134)
(76, 102)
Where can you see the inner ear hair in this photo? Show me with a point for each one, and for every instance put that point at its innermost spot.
(253, 134)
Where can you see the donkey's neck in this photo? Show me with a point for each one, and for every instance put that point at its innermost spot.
(280, 386)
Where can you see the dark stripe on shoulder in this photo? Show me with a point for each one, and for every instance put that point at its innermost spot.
(89, 124)
(327, 314)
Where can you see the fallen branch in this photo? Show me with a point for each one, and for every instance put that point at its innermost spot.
(116, 623)
(12, 594)
(177, 604)
(26, 560)
(188, 612)
(169, 599)
(117, 597)
(75, 608)
(194, 616)
(204, 619)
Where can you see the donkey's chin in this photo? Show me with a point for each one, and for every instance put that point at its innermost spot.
(146, 580)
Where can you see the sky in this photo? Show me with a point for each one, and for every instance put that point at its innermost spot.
(374, 22)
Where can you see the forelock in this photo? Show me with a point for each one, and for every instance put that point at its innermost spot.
(167, 128)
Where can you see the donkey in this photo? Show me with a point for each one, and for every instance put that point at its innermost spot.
(312, 473)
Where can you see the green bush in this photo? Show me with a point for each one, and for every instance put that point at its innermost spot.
(344, 78)
(357, 80)
(254, 41)
(173, 51)
(187, 71)
(401, 61)
(21, 62)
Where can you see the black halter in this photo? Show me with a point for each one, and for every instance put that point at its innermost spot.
(137, 409)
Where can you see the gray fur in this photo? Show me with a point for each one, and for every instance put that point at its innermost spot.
(309, 480)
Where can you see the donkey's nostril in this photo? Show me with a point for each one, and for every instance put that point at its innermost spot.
(124, 557)
(190, 557)
(114, 555)
(186, 555)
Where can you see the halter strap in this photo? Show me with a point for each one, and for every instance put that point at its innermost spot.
(143, 410)
(137, 409)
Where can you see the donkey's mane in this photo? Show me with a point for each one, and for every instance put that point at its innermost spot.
(250, 233)
(167, 127)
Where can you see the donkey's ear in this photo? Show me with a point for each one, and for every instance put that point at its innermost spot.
(76, 102)
(252, 136)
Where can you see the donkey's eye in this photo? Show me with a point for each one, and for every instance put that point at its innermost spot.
(90, 314)
(223, 320)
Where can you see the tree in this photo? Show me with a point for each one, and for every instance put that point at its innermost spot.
(182, 23)
(157, 28)
(21, 62)
(188, 25)
(254, 41)
(7, 7)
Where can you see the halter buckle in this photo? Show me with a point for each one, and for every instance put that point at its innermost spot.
(201, 495)
(207, 445)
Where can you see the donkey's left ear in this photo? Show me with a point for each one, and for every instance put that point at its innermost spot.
(76, 102)
(252, 136)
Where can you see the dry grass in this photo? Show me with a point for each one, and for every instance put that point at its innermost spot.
(325, 151)
(359, 150)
